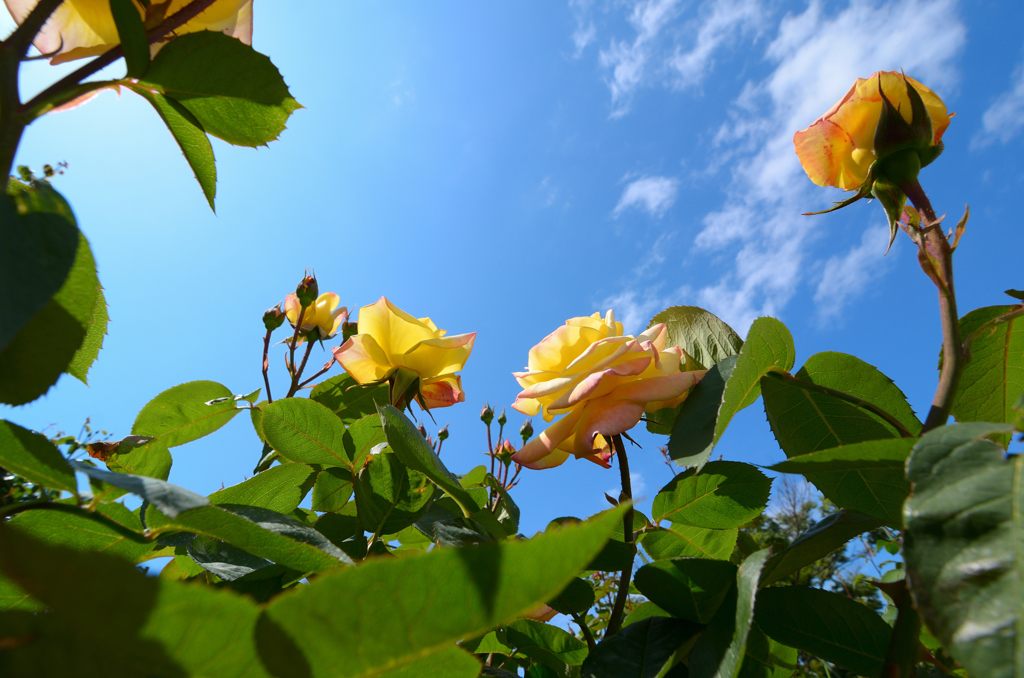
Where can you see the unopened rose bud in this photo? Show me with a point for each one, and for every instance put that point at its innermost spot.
(505, 453)
(307, 291)
(487, 415)
(442, 435)
(502, 419)
(273, 318)
(526, 430)
(422, 430)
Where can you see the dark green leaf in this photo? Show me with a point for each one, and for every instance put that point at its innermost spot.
(161, 627)
(615, 555)
(180, 414)
(693, 430)
(577, 597)
(767, 658)
(993, 378)
(305, 431)
(450, 662)
(448, 528)
(234, 92)
(347, 399)
(132, 33)
(549, 645)
(389, 496)
(962, 545)
(702, 335)
(822, 539)
(170, 499)
(280, 489)
(508, 511)
(826, 625)
(452, 593)
(191, 139)
(688, 588)
(222, 559)
(33, 457)
(681, 541)
(724, 494)
(332, 490)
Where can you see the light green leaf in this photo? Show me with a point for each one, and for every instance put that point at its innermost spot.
(152, 459)
(962, 545)
(644, 610)
(280, 488)
(305, 431)
(332, 490)
(111, 529)
(546, 644)
(180, 414)
(724, 494)
(234, 92)
(93, 342)
(686, 541)
(452, 593)
(703, 336)
(33, 457)
(347, 399)
(826, 625)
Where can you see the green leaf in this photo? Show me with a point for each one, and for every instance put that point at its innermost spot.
(685, 541)
(160, 627)
(615, 555)
(93, 342)
(132, 33)
(703, 336)
(962, 545)
(767, 658)
(389, 496)
(280, 489)
(725, 494)
(644, 610)
(549, 645)
(857, 378)
(826, 625)
(689, 588)
(450, 527)
(14, 598)
(993, 378)
(37, 251)
(50, 342)
(450, 662)
(111, 528)
(172, 500)
(33, 457)
(234, 92)
(190, 137)
(721, 654)
(412, 449)
(347, 399)
(822, 539)
(332, 490)
(693, 431)
(508, 511)
(180, 414)
(451, 593)
(305, 431)
(152, 459)
(577, 597)
(222, 559)
(768, 347)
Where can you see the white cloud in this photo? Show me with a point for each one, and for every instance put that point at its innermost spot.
(548, 192)
(653, 194)
(637, 485)
(1005, 117)
(846, 276)
(722, 22)
(633, 309)
(761, 216)
(586, 31)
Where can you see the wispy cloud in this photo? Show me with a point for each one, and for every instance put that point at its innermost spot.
(1005, 117)
(845, 277)
(652, 194)
(722, 20)
(760, 218)
(634, 309)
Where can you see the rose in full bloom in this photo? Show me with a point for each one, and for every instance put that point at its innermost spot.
(394, 346)
(84, 28)
(839, 148)
(602, 381)
(323, 314)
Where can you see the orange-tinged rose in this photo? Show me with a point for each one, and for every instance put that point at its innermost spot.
(323, 314)
(838, 148)
(602, 381)
(84, 28)
(390, 339)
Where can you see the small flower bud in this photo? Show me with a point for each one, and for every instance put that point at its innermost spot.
(422, 430)
(502, 419)
(505, 453)
(273, 318)
(307, 291)
(487, 415)
(442, 435)
(526, 430)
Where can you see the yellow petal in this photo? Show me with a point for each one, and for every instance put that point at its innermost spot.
(394, 330)
(363, 359)
(435, 357)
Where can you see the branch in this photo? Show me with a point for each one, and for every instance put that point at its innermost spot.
(21, 39)
(585, 630)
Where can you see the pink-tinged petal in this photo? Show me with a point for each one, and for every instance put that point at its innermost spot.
(363, 359)
(442, 391)
(443, 355)
(541, 614)
(655, 405)
(543, 451)
(656, 334)
(666, 387)
(822, 148)
(600, 383)
(528, 406)
(607, 418)
(291, 308)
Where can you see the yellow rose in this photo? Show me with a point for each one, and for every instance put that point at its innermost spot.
(602, 381)
(839, 147)
(323, 314)
(84, 28)
(390, 339)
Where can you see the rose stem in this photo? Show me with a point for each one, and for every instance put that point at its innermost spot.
(302, 366)
(266, 364)
(585, 630)
(615, 621)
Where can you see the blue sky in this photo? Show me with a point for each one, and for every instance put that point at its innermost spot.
(501, 167)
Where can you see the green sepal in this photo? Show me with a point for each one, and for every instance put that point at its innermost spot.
(894, 134)
(863, 191)
(893, 201)
(928, 155)
(405, 385)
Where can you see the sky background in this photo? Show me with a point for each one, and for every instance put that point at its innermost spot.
(503, 166)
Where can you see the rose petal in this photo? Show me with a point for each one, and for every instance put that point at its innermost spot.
(442, 391)
(542, 451)
(363, 359)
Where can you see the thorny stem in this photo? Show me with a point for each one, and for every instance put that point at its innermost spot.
(294, 342)
(298, 372)
(585, 630)
(323, 370)
(615, 620)
(18, 41)
(266, 364)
